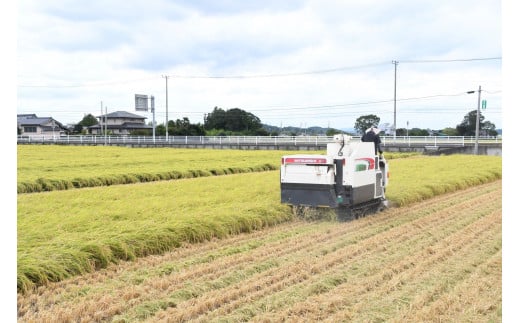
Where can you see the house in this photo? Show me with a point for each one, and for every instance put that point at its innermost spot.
(119, 123)
(33, 126)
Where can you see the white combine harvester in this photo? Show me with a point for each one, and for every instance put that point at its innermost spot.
(351, 179)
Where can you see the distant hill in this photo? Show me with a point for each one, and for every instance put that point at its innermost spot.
(351, 131)
(296, 131)
(320, 131)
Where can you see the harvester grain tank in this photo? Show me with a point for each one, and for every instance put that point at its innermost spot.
(350, 179)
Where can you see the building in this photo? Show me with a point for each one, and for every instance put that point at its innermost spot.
(32, 126)
(119, 123)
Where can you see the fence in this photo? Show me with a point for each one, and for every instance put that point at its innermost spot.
(410, 141)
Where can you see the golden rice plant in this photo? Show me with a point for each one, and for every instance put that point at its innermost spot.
(65, 233)
(70, 232)
(54, 167)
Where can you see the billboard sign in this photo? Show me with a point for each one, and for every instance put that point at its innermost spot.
(141, 102)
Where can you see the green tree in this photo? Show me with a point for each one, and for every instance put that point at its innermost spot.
(365, 122)
(488, 129)
(87, 121)
(215, 119)
(450, 132)
(141, 132)
(401, 132)
(234, 120)
(185, 128)
(171, 126)
(418, 132)
(331, 132)
(468, 125)
(252, 122)
(160, 130)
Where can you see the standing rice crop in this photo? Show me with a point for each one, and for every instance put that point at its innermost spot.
(66, 233)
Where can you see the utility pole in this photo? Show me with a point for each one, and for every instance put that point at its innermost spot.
(477, 121)
(477, 130)
(395, 96)
(152, 105)
(100, 119)
(166, 77)
(106, 115)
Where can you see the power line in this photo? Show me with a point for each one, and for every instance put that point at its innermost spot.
(327, 106)
(273, 75)
(88, 84)
(283, 108)
(356, 103)
(451, 60)
(331, 70)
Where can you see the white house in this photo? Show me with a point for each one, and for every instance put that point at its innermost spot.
(119, 123)
(33, 126)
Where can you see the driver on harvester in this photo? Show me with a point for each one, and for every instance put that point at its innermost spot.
(372, 135)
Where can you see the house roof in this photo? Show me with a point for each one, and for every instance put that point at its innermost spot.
(126, 125)
(30, 115)
(33, 120)
(121, 114)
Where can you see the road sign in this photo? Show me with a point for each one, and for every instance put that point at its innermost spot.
(484, 103)
(141, 102)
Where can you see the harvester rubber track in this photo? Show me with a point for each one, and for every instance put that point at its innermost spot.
(342, 214)
(360, 210)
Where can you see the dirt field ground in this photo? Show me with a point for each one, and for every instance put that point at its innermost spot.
(434, 261)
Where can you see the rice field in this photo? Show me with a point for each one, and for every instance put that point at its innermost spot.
(53, 167)
(431, 261)
(50, 168)
(73, 232)
(224, 249)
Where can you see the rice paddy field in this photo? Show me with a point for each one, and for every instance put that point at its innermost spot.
(49, 168)
(224, 249)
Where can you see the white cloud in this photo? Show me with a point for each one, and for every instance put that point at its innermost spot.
(110, 51)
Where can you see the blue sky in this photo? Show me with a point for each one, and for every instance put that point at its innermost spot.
(291, 63)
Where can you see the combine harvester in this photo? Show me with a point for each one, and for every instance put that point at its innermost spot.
(351, 180)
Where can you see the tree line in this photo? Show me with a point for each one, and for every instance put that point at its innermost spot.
(220, 122)
(466, 128)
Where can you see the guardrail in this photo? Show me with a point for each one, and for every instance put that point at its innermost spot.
(410, 141)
